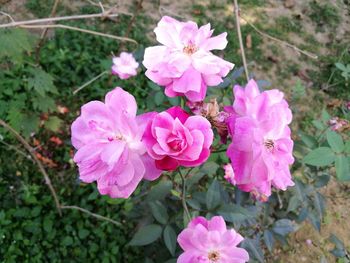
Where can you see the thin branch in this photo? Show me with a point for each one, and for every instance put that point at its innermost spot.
(132, 21)
(43, 34)
(81, 30)
(55, 19)
(41, 167)
(306, 53)
(74, 207)
(238, 27)
(89, 82)
(11, 147)
(183, 197)
(9, 16)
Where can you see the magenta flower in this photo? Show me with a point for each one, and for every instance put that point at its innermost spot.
(173, 138)
(184, 63)
(210, 241)
(108, 139)
(261, 148)
(124, 66)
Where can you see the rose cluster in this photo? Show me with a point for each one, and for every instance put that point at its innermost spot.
(117, 149)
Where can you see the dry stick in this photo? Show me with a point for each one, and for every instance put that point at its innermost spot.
(238, 27)
(41, 168)
(81, 30)
(91, 214)
(89, 82)
(43, 34)
(55, 19)
(306, 53)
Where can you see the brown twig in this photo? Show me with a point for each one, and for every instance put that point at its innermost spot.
(43, 34)
(55, 19)
(241, 46)
(74, 207)
(89, 82)
(306, 53)
(132, 21)
(41, 167)
(81, 30)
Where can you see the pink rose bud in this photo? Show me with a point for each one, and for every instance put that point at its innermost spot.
(124, 66)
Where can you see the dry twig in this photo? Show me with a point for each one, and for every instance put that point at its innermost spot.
(91, 214)
(238, 27)
(41, 167)
(306, 53)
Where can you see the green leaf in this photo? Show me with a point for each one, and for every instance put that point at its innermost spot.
(146, 235)
(340, 66)
(67, 241)
(342, 168)
(41, 82)
(283, 227)
(335, 141)
(13, 43)
(322, 180)
(321, 156)
(325, 116)
(159, 98)
(269, 240)
(174, 101)
(83, 233)
(213, 197)
(253, 247)
(308, 140)
(53, 123)
(170, 237)
(47, 224)
(210, 168)
(159, 212)
(160, 191)
(293, 204)
(347, 147)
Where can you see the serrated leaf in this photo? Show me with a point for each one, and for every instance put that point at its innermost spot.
(254, 248)
(13, 43)
(213, 196)
(41, 82)
(159, 212)
(283, 227)
(342, 168)
(146, 235)
(159, 191)
(335, 141)
(169, 237)
(321, 156)
(269, 240)
(53, 123)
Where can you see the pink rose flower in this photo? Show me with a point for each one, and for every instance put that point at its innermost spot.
(229, 174)
(184, 63)
(261, 148)
(174, 138)
(108, 139)
(210, 241)
(124, 66)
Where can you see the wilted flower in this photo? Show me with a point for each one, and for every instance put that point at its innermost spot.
(211, 111)
(184, 63)
(261, 148)
(210, 241)
(108, 139)
(338, 124)
(173, 138)
(125, 65)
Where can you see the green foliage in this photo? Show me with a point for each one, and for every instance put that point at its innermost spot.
(13, 43)
(324, 14)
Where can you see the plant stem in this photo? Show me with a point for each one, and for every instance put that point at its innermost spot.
(183, 198)
(238, 27)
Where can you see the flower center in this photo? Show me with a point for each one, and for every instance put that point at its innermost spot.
(190, 49)
(116, 137)
(269, 144)
(214, 256)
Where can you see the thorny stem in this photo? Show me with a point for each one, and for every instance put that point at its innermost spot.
(41, 167)
(238, 27)
(183, 197)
